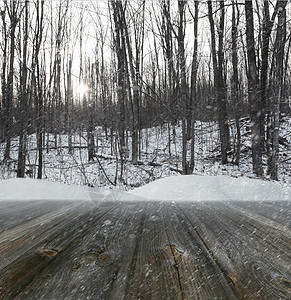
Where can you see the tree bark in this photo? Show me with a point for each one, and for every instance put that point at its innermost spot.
(182, 87)
(219, 79)
(235, 79)
(13, 12)
(3, 74)
(38, 84)
(193, 88)
(23, 100)
(277, 79)
(253, 92)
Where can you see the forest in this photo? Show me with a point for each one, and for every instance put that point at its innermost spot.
(95, 83)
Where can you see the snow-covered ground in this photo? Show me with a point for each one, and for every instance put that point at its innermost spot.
(33, 189)
(160, 157)
(174, 188)
(203, 188)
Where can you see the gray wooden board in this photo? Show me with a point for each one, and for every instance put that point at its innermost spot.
(254, 254)
(114, 249)
(278, 211)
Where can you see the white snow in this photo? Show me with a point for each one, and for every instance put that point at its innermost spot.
(191, 187)
(160, 156)
(203, 188)
(33, 189)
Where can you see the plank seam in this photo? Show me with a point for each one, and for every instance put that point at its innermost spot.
(230, 284)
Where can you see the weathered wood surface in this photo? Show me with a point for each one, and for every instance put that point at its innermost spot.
(114, 249)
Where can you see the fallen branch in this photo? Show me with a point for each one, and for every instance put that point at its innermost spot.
(176, 170)
(101, 167)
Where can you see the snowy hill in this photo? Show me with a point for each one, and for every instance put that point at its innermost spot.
(160, 157)
(32, 189)
(201, 188)
(191, 187)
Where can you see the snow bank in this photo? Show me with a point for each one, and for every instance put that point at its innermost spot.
(202, 188)
(191, 187)
(32, 189)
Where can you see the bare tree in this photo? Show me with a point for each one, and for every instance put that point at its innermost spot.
(235, 77)
(91, 106)
(3, 74)
(277, 84)
(253, 91)
(219, 78)
(182, 84)
(13, 9)
(69, 102)
(193, 88)
(119, 44)
(23, 97)
(135, 69)
(38, 84)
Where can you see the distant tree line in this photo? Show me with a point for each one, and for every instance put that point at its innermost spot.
(149, 63)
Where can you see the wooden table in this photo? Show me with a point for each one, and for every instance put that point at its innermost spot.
(117, 249)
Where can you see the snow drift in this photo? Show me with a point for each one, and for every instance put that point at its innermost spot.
(190, 187)
(202, 188)
(33, 189)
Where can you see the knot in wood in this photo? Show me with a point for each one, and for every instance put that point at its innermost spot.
(47, 252)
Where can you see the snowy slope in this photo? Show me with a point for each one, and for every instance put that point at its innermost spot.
(191, 187)
(201, 188)
(32, 189)
(161, 156)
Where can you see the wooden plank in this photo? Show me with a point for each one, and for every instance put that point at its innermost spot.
(172, 262)
(272, 238)
(14, 213)
(88, 264)
(253, 256)
(31, 253)
(18, 239)
(200, 276)
(153, 273)
(273, 211)
(113, 249)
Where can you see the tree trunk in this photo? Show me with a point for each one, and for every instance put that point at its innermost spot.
(121, 80)
(182, 85)
(219, 80)
(235, 80)
(23, 99)
(14, 18)
(91, 108)
(3, 75)
(277, 79)
(39, 85)
(69, 102)
(193, 88)
(253, 92)
(134, 76)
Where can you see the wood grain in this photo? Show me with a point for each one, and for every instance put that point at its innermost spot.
(118, 249)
